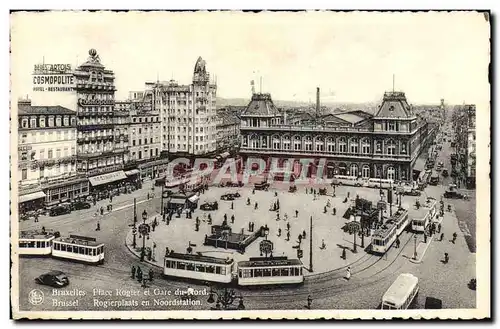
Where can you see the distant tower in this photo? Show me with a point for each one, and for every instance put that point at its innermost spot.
(318, 105)
(442, 103)
(252, 83)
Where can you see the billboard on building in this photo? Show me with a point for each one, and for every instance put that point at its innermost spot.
(53, 78)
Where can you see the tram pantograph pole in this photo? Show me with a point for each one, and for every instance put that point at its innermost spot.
(311, 245)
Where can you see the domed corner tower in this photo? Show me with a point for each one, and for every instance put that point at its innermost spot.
(200, 75)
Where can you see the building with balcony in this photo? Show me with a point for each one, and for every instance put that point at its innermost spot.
(99, 153)
(145, 146)
(356, 143)
(464, 123)
(187, 114)
(47, 155)
(228, 131)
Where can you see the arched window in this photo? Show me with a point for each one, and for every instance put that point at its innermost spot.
(276, 142)
(254, 141)
(297, 143)
(308, 143)
(378, 146)
(353, 170)
(391, 147)
(365, 171)
(330, 145)
(365, 146)
(342, 145)
(319, 144)
(403, 147)
(391, 173)
(286, 142)
(353, 145)
(245, 140)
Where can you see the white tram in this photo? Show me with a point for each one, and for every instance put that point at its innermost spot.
(424, 215)
(269, 271)
(197, 267)
(385, 236)
(78, 248)
(36, 242)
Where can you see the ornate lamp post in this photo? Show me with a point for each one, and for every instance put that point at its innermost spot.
(144, 231)
(415, 247)
(224, 300)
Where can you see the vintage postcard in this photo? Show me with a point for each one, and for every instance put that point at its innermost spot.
(207, 165)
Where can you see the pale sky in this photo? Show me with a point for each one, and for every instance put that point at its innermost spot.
(350, 56)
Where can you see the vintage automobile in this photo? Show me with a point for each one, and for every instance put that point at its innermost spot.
(56, 279)
(230, 196)
(78, 205)
(208, 206)
(322, 191)
(59, 210)
(444, 173)
(413, 192)
(261, 186)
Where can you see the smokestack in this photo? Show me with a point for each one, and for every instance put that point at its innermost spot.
(317, 102)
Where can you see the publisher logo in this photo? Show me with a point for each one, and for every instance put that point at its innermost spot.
(35, 297)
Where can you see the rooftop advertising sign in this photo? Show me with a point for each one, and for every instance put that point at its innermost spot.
(53, 77)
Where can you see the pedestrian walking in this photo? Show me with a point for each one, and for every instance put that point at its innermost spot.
(323, 245)
(446, 258)
(139, 274)
(303, 234)
(309, 300)
(324, 210)
(439, 228)
(348, 273)
(288, 236)
(286, 216)
(344, 254)
(288, 226)
(248, 201)
(397, 242)
(276, 194)
(279, 232)
(334, 211)
(454, 237)
(232, 205)
(151, 274)
(133, 272)
(225, 218)
(144, 284)
(300, 238)
(256, 206)
(442, 237)
(232, 219)
(296, 213)
(348, 194)
(98, 228)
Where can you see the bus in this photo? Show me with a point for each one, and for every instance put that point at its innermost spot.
(401, 293)
(36, 242)
(378, 182)
(346, 180)
(270, 271)
(78, 248)
(422, 216)
(434, 180)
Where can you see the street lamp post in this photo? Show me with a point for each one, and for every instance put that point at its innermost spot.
(162, 191)
(135, 212)
(225, 299)
(311, 245)
(144, 233)
(415, 247)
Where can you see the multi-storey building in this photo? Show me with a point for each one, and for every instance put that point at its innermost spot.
(228, 131)
(47, 155)
(187, 114)
(100, 156)
(464, 122)
(145, 147)
(385, 144)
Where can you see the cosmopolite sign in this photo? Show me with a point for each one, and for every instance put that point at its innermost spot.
(89, 102)
(53, 77)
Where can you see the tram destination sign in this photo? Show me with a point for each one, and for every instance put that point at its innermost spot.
(53, 77)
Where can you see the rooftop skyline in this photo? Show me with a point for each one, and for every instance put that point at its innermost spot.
(352, 57)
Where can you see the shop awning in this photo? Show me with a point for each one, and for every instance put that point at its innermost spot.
(194, 198)
(419, 164)
(224, 155)
(132, 172)
(31, 196)
(107, 178)
(177, 201)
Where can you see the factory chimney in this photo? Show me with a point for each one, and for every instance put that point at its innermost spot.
(318, 105)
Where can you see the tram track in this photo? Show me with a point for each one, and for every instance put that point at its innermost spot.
(316, 288)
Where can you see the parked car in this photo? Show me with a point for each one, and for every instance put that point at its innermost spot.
(208, 206)
(261, 186)
(227, 197)
(56, 279)
(59, 210)
(412, 193)
(445, 173)
(77, 205)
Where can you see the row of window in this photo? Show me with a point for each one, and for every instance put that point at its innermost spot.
(89, 251)
(269, 272)
(196, 147)
(45, 172)
(180, 265)
(145, 119)
(139, 154)
(94, 133)
(47, 136)
(41, 121)
(139, 141)
(35, 244)
(31, 155)
(95, 121)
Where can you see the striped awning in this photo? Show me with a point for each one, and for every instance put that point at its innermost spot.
(107, 178)
(31, 196)
(132, 172)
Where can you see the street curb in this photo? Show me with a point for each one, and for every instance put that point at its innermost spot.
(420, 259)
(129, 247)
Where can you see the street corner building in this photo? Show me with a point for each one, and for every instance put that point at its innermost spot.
(384, 144)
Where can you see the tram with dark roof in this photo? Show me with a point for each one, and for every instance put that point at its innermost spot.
(385, 236)
(36, 242)
(270, 271)
(78, 248)
(198, 267)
